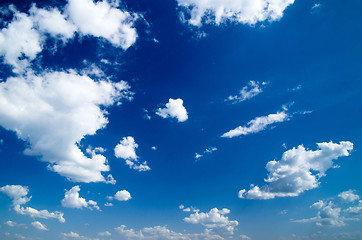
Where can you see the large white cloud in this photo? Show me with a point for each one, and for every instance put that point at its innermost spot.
(299, 170)
(241, 11)
(100, 19)
(251, 90)
(73, 200)
(54, 111)
(258, 124)
(215, 218)
(24, 37)
(19, 194)
(174, 109)
(126, 149)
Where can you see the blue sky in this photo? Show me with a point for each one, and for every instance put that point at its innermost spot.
(181, 119)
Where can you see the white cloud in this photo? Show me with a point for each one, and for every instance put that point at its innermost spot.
(251, 90)
(72, 200)
(53, 22)
(104, 234)
(188, 209)
(355, 210)
(24, 37)
(258, 124)
(110, 180)
(174, 109)
(299, 170)
(126, 149)
(39, 225)
(11, 223)
(17, 193)
(34, 213)
(349, 196)
(240, 11)
(244, 237)
(100, 19)
(20, 40)
(108, 204)
(122, 195)
(163, 233)
(197, 156)
(208, 150)
(77, 236)
(154, 148)
(328, 214)
(54, 111)
(215, 218)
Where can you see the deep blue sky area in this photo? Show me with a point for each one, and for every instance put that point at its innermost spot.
(305, 64)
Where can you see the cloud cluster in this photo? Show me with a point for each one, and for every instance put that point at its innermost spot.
(54, 111)
(299, 170)
(72, 200)
(174, 109)
(24, 37)
(240, 11)
(163, 233)
(126, 149)
(258, 124)
(208, 150)
(251, 90)
(329, 213)
(215, 218)
(19, 194)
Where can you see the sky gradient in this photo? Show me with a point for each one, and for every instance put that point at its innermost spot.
(181, 119)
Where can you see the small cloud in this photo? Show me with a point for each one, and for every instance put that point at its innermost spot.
(39, 226)
(73, 200)
(122, 195)
(251, 90)
(174, 109)
(126, 149)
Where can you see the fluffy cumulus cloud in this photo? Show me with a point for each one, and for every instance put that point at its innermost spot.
(197, 12)
(122, 195)
(163, 233)
(174, 109)
(215, 218)
(24, 37)
(20, 42)
(126, 149)
(38, 225)
(335, 213)
(299, 170)
(17, 193)
(349, 196)
(101, 19)
(251, 90)
(73, 200)
(54, 111)
(258, 124)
